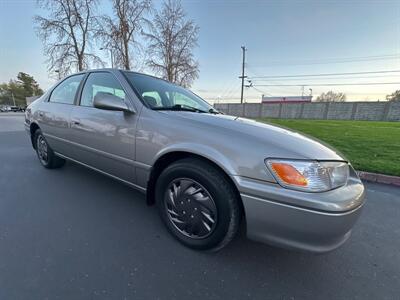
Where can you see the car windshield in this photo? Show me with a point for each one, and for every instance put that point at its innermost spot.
(162, 95)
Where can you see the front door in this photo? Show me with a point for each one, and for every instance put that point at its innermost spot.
(104, 139)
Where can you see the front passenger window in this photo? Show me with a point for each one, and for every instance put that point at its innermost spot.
(152, 98)
(180, 99)
(100, 82)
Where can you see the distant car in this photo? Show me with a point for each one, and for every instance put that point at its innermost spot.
(204, 170)
(17, 109)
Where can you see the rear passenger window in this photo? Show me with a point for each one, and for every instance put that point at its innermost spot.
(65, 92)
(100, 82)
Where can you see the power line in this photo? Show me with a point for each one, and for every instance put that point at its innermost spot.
(256, 75)
(330, 84)
(228, 85)
(260, 91)
(324, 78)
(232, 88)
(233, 91)
(327, 74)
(332, 60)
(365, 93)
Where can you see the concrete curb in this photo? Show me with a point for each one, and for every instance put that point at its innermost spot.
(379, 178)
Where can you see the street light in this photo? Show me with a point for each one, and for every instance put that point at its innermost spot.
(111, 55)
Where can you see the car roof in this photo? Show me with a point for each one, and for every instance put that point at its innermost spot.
(113, 70)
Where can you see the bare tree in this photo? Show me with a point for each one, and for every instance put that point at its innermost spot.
(119, 34)
(66, 34)
(394, 96)
(331, 96)
(172, 39)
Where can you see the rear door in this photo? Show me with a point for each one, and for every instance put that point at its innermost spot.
(104, 139)
(53, 114)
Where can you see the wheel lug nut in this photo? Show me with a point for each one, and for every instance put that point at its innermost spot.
(184, 212)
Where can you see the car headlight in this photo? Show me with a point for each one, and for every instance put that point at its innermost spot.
(311, 176)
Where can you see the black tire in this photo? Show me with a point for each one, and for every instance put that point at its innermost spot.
(50, 161)
(227, 207)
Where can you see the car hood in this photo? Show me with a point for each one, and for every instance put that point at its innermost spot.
(295, 145)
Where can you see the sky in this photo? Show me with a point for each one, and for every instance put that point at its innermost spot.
(282, 38)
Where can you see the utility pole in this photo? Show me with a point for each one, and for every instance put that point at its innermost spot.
(243, 77)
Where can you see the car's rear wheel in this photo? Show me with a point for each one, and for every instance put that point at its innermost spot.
(45, 154)
(198, 204)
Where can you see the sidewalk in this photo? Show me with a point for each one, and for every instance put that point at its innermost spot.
(380, 178)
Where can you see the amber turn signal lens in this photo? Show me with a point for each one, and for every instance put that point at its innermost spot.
(289, 174)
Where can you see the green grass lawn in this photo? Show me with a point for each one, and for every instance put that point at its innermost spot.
(370, 146)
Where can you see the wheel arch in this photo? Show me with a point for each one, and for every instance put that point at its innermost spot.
(32, 128)
(170, 157)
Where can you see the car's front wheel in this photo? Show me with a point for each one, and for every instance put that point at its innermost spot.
(45, 154)
(198, 204)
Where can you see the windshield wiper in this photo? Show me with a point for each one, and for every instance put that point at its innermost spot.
(183, 107)
(179, 107)
(214, 111)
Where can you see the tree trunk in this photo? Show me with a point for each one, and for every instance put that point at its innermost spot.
(126, 56)
(170, 74)
(80, 63)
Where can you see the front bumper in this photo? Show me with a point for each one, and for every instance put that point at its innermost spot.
(314, 222)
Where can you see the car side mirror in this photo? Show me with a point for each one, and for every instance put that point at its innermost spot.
(108, 101)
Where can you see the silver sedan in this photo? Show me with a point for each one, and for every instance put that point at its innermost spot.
(205, 171)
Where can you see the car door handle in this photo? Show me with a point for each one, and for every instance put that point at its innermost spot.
(75, 122)
(40, 114)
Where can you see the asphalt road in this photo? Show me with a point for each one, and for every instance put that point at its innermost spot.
(75, 234)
